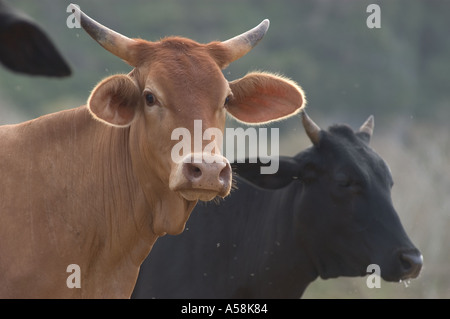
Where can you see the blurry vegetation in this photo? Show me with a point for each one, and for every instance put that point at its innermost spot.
(345, 67)
(400, 73)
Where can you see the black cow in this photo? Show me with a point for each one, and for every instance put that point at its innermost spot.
(25, 48)
(327, 212)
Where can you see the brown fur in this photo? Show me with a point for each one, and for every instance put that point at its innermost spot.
(90, 186)
(164, 49)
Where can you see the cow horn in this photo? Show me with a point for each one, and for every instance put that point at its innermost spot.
(368, 126)
(114, 42)
(242, 44)
(311, 128)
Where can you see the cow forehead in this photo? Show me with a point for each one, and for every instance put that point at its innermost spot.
(180, 60)
(186, 78)
(345, 151)
(169, 47)
(365, 165)
(181, 71)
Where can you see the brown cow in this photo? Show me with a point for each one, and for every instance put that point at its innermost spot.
(96, 186)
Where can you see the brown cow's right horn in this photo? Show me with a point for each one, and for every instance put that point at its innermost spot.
(242, 44)
(112, 41)
(311, 128)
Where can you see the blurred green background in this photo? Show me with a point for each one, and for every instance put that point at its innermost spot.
(400, 73)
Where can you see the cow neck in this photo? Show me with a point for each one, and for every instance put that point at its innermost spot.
(290, 281)
(125, 207)
(168, 210)
(126, 210)
(306, 272)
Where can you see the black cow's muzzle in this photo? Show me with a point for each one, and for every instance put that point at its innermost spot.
(411, 263)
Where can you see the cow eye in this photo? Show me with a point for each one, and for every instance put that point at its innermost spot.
(343, 180)
(150, 98)
(227, 100)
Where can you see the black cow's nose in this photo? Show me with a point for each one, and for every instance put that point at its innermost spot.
(412, 262)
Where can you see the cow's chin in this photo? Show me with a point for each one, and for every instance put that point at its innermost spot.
(198, 194)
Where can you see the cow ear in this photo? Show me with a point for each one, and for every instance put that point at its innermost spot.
(251, 172)
(264, 97)
(114, 100)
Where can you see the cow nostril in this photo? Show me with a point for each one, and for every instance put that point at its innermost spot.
(405, 263)
(411, 263)
(193, 170)
(196, 171)
(225, 174)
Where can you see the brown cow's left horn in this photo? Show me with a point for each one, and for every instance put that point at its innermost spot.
(368, 126)
(112, 41)
(242, 44)
(311, 128)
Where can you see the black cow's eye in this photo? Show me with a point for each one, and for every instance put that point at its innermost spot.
(343, 180)
(150, 99)
(346, 183)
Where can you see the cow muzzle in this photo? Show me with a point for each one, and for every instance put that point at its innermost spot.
(411, 263)
(201, 177)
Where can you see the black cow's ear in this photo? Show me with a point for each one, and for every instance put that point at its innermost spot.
(251, 172)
